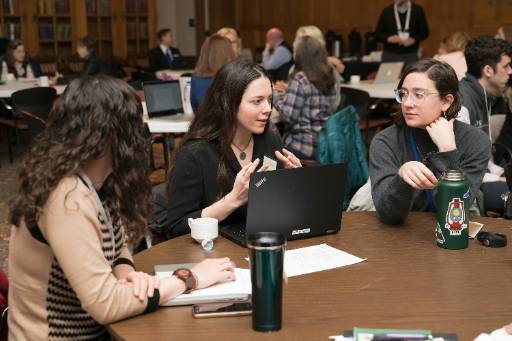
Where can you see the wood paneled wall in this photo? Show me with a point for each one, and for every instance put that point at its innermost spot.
(253, 17)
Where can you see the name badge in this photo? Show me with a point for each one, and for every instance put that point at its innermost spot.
(403, 35)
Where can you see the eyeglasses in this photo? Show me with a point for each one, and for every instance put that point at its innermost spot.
(418, 96)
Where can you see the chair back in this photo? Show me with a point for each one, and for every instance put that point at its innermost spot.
(359, 99)
(34, 105)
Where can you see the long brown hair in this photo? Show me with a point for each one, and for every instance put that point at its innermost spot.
(94, 113)
(10, 60)
(216, 118)
(215, 52)
(311, 58)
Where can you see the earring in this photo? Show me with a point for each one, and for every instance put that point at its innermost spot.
(443, 113)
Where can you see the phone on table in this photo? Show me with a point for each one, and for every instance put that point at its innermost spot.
(222, 309)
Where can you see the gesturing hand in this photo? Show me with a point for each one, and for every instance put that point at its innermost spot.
(240, 191)
(417, 175)
(288, 159)
(441, 133)
(212, 271)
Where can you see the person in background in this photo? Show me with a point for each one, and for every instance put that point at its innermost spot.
(309, 99)
(16, 62)
(407, 158)
(441, 50)
(402, 27)
(338, 66)
(236, 42)
(93, 65)
(215, 52)
(162, 56)
(454, 55)
(505, 33)
(277, 56)
(70, 268)
(227, 141)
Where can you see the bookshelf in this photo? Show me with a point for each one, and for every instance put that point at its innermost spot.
(10, 19)
(99, 25)
(54, 29)
(137, 28)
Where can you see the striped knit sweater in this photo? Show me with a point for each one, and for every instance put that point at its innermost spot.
(62, 284)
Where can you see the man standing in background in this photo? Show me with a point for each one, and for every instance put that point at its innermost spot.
(163, 56)
(401, 27)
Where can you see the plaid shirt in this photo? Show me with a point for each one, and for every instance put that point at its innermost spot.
(304, 110)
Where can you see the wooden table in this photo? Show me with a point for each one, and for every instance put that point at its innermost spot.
(10, 87)
(407, 282)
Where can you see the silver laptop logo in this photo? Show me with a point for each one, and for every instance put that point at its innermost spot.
(261, 182)
(303, 231)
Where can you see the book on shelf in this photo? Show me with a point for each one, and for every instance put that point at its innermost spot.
(131, 6)
(90, 7)
(64, 31)
(13, 30)
(62, 7)
(46, 31)
(105, 7)
(10, 7)
(45, 7)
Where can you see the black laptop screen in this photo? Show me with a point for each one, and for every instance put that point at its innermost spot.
(163, 98)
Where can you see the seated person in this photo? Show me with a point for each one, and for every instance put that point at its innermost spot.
(226, 143)
(407, 158)
(16, 62)
(277, 56)
(70, 268)
(454, 53)
(236, 42)
(93, 65)
(215, 52)
(488, 60)
(309, 99)
(162, 56)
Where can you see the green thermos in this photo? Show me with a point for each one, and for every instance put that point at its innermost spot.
(266, 255)
(453, 202)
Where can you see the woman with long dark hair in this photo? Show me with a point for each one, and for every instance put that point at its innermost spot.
(16, 61)
(309, 99)
(407, 158)
(228, 139)
(84, 195)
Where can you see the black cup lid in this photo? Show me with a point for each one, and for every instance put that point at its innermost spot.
(266, 239)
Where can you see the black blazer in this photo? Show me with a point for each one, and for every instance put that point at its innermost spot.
(94, 65)
(157, 59)
(193, 184)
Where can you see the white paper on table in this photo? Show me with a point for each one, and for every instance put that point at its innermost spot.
(316, 258)
(242, 285)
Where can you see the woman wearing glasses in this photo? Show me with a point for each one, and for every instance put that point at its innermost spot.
(407, 158)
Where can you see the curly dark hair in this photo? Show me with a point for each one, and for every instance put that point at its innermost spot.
(485, 50)
(94, 113)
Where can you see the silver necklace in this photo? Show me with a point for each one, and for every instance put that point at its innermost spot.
(242, 154)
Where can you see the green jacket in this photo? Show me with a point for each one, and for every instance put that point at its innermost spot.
(340, 142)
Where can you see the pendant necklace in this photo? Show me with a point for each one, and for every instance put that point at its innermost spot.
(242, 154)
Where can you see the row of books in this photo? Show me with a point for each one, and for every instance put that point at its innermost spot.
(132, 29)
(136, 6)
(46, 31)
(47, 7)
(12, 31)
(11, 7)
(101, 7)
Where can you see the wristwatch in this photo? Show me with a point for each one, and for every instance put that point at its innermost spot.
(188, 277)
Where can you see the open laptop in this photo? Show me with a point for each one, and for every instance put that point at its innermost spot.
(163, 98)
(388, 73)
(299, 203)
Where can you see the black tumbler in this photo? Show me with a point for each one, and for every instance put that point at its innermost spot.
(266, 254)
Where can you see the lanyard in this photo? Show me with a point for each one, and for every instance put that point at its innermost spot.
(407, 18)
(414, 148)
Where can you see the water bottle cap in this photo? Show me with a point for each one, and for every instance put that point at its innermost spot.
(266, 239)
(453, 175)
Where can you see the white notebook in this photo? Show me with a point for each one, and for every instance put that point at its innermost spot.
(238, 290)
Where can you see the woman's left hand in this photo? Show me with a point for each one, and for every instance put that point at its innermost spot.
(144, 285)
(288, 159)
(441, 133)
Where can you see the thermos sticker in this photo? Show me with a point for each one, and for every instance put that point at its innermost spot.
(455, 217)
(467, 194)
